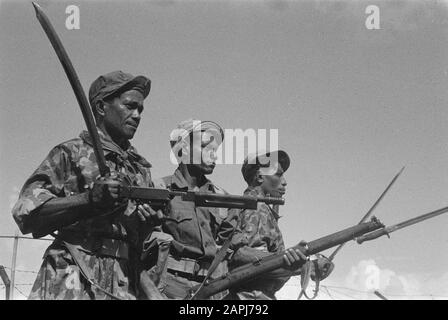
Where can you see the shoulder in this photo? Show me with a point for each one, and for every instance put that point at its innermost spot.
(219, 190)
(255, 216)
(63, 152)
(72, 146)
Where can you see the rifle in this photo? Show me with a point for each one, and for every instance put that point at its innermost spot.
(158, 198)
(255, 269)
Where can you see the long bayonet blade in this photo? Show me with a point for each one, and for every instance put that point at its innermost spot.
(76, 85)
(398, 226)
(367, 215)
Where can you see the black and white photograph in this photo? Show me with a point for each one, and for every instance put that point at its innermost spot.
(235, 150)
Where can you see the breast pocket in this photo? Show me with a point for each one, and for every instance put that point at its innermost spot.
(181, 224)
(179, 211)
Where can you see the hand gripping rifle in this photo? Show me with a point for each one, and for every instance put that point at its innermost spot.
(253, 270)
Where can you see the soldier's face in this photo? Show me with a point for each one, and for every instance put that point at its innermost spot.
(274, 185)
(203, 152)
(122, 114)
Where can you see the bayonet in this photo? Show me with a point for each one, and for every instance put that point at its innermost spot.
(387, 230)
(367, 215)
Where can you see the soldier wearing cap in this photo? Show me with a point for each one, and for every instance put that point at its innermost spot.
(91, 256)
(264, 174)
(194, 233)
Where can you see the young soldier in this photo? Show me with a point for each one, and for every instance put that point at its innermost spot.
(194, 232)
(95, 229)
(264, 174)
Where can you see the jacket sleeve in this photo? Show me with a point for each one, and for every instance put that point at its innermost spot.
(46, 183)
(261, 243)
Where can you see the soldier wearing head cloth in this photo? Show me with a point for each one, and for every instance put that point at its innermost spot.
(264, 173)
(195, 233)
(94, 229)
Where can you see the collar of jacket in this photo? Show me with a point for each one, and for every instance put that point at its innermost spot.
(258, 192)
(111, 147)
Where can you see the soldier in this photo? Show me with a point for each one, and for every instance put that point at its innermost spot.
(264, 174)
(190, 236)
(194, 233)
(91, 255)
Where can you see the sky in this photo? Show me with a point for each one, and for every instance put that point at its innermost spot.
(351, 106)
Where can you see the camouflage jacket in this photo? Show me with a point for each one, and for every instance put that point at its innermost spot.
(260, 228)
(71, 168)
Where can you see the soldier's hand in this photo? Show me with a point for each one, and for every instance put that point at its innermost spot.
(148, 214)
(105, 192)
(295, 257)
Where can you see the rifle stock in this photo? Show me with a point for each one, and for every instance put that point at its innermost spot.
(253, 270)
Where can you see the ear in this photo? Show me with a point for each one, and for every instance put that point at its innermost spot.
(100, 108)
(258, 178)
(181, 151)
(185, 149)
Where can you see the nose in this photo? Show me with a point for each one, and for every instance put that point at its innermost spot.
(283, 182)
(136, 114)
(213, 155)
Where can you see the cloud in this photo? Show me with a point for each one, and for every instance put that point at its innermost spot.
(367, 276)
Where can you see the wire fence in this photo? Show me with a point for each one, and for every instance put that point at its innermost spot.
(329, 291)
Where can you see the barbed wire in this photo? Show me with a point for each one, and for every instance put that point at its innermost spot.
(392, 295)
(23, 237)
(338, 289)
(21, 292)
(24, 271)
(328, 292)
(335, 289)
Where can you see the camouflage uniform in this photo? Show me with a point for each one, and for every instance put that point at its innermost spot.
(196, 234)
(260, 228)
(105, 243)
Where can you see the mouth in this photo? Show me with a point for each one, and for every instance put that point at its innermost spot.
(132, 125)
(282, 192)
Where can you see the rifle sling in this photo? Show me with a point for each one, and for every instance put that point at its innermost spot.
(85, 271)
(305, 279)
(219, 257)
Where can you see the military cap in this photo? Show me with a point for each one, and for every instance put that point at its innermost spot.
(266, 161)
(117, 82)
(186, 127)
